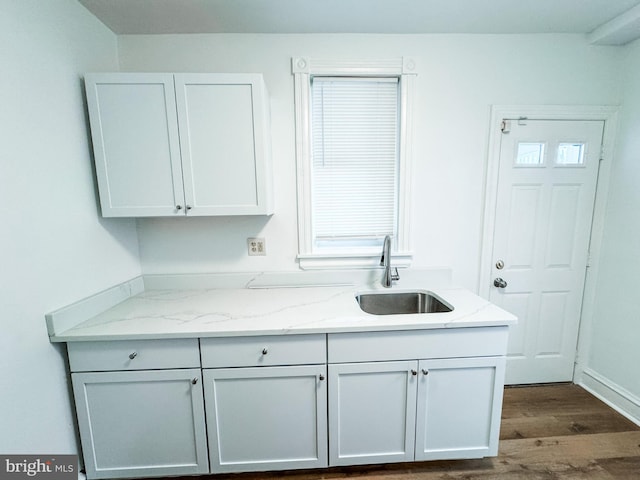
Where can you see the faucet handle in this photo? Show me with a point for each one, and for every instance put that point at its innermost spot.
(395, 276)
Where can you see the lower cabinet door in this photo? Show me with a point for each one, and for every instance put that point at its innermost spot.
(141, 423)
(372, 412)
(459, 408)
(266, 418)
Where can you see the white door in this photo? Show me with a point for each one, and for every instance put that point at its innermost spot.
(266, 418)
(546, 189)
(372, 408)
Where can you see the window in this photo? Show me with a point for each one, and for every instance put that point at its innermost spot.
(570, 154)
(530, 154)
(352, 139)
(354, 144)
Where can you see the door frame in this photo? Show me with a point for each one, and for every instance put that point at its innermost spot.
(608, 114)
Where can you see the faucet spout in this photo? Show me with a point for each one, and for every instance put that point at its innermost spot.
(388, 278)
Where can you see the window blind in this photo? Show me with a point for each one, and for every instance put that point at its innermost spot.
(355, 159)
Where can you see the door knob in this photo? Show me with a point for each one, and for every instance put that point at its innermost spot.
(500, 283)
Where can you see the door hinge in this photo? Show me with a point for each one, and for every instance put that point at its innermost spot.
(505, 125)
(602, 152)
(588, 259)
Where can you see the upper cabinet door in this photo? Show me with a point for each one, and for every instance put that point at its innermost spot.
(223, 124)
(136, 144)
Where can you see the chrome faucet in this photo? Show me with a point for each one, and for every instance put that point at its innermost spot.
(385, 261)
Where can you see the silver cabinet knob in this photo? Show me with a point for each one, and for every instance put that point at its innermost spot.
(178, 207)
(265, 351)
(133, 355)
(414, 372)
(321, 377)
(189, 207)
(425, 371)
(194, 381)
(500, 283)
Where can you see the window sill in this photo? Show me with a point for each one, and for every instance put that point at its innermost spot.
(347, 261)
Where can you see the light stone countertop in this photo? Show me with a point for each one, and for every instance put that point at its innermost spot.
(184, 313)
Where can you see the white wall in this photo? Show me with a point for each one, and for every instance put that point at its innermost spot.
(461, 76)
(54, 247)
(614, 353)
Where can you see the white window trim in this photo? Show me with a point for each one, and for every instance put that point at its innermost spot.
(303, 68)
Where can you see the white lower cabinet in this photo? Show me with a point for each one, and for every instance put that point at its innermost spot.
(141, 423)
(390, 402)
(140, 407)
(372, 412)
(266, 418)
(459, 407)
(285, 402)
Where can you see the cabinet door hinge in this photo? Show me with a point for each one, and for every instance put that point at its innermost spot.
(505, 126)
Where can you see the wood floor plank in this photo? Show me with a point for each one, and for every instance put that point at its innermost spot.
(567, 448)
(623, 468)
(564, 424)
(549, 400)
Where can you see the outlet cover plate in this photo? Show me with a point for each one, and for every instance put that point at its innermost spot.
(256, 246)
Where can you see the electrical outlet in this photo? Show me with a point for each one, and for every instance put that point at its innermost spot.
(256, 246)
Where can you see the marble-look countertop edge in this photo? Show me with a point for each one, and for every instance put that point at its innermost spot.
(278, 311)
(281, 332)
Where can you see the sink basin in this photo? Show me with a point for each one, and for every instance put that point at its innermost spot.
(401, 303)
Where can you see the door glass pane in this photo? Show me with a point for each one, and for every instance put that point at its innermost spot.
(530, 154)
(570, 154)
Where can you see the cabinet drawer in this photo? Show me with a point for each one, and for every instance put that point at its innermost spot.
(263, 350)
(133, 355)
(416, 344)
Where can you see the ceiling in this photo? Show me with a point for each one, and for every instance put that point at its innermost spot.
(605, 21)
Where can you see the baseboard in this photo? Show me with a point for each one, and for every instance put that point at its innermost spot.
(621, 400)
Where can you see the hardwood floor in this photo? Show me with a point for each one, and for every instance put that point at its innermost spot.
(553, 432)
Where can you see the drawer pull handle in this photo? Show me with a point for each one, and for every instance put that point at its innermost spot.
(414, 372)
(194, 381)
(265, 351)
(425, 371)
(133, 355)
(321, 377)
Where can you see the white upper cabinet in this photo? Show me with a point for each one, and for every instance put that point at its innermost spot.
(183, 144)
(136, 144)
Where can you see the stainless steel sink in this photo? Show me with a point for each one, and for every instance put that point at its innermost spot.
(401, 303)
